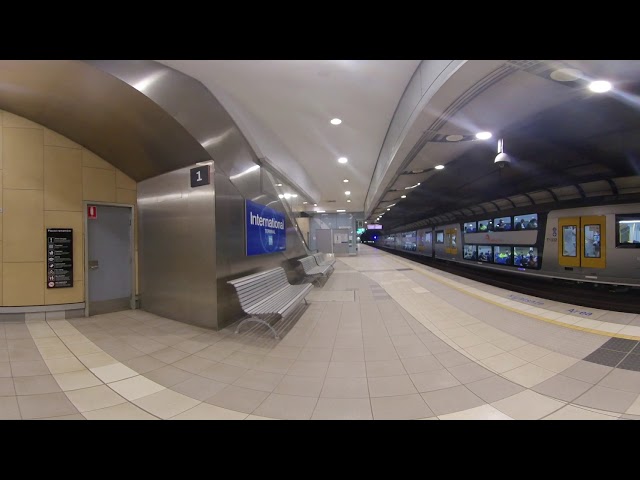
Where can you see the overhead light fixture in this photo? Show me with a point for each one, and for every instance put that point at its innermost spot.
(348, 201)
(340, 211)
(600, 86)
(346, 180)
(295, 195)
(304, 203)
(388, 209)
(365, 221)
(336, 121)
(439, 167)
(483, 135)
(412, 186)
(403, 196)
(280, 195)
(278, 184)
(343, 160)
(347, 192)
(502, 158)
(453, 138)
(287, 196)
(319, 211)
(315, 204)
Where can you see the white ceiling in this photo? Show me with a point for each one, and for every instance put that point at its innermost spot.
(297, 98)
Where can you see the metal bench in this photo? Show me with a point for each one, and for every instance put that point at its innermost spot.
(322, 260)
(268, 295)
(312, 269)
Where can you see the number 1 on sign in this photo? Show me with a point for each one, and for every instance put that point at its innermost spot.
(199, 174)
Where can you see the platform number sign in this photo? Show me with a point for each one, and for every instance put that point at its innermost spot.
(200, 176)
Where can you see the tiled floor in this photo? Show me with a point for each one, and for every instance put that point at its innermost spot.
(384, 338)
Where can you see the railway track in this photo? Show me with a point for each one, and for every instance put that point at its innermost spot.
(605, 297)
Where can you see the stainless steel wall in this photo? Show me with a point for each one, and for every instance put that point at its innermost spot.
(177, 244)
(222, 251)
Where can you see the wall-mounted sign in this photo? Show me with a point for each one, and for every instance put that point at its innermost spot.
(59, 257)
(200, 176)
(92, 212)
(374, 226)
(265, 229)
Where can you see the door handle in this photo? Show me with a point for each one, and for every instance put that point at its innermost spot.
(93, 265)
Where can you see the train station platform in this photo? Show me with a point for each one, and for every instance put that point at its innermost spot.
(384, 338)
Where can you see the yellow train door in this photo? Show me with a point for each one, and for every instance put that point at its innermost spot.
(582, 241)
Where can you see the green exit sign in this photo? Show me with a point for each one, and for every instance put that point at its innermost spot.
(360, 231)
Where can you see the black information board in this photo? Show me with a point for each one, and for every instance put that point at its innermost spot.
(59, 257)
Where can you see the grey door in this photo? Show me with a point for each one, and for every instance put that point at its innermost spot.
(109, 256)
(324, 243)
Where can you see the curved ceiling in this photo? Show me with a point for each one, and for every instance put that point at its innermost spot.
(556, 133)
(298, 98)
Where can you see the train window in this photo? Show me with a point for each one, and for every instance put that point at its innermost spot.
(502, 255)
(628, 231)
(470, 227)
(470, 252)
(485, 226)
(526, 222)
(502, 224)
(440, 236)
(569, 241)
(592, 241)
(485, 253)
(526, 257)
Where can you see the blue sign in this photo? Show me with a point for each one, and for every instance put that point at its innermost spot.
(266, 230)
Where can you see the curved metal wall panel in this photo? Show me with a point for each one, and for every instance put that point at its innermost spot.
(100, 112)
(235, 178)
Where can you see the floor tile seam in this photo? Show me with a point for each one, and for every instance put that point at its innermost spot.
(534, 316)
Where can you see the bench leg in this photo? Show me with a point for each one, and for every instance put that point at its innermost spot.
(258, 320)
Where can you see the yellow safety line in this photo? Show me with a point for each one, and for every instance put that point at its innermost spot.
(532, 315)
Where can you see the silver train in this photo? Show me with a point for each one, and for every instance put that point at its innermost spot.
(598, 244)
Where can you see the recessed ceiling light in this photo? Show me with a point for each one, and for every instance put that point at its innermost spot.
(278, 184)
(343, 160)
(346, 180)
(320, 211)
(304, 203)
(565, 74)
(403, 196)
(340, 211)
(439, 167)
(348, 201)
(600, 86)
(347, 192)
(453, 138)
(287, 196)
(280, 195)
(388, 209)
(295, 195)
(483, 135)
(315, 204)
(336, 121)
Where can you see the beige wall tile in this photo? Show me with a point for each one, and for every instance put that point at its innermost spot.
(54, 139)
(75, 221)
(123, 181)
(57, 296)
(11, 120)
(126, 196)
(1, 129)
(23, 284)
(23, 158)
(99, 184)
(62, 179)
(0, 191)
(90, 159)
(23, 226)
